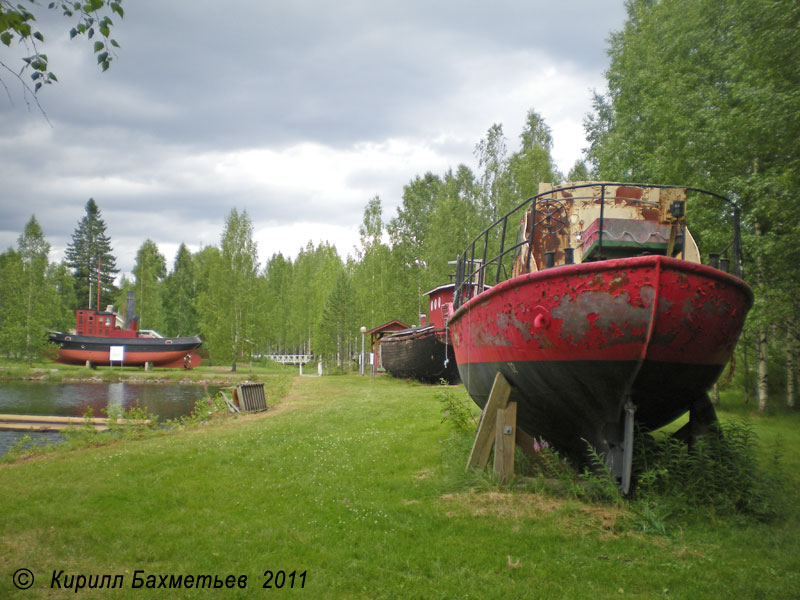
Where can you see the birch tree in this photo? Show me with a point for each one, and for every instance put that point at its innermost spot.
(91, 19)
(226, 307)
(704, 93)
(180, 302)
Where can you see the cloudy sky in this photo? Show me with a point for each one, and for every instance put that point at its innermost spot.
(297, 112)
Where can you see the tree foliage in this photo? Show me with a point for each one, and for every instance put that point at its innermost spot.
(227, 306)
(338, 322)
(30, 294)
(705, 93)
(150, 271)
(89, 18)
(89, 256)
(180, 300)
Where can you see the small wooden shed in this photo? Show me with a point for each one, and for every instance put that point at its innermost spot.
(375, 335)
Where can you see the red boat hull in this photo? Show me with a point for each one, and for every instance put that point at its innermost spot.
(160, 352)
(577, 341)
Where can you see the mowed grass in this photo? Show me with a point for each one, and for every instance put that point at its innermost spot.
(358, 483)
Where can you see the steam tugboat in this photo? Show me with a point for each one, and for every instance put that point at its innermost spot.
(601, 316)
(424, 352)
(105, 337)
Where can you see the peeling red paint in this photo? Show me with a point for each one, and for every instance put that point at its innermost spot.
(578, 342)
(619, 282)
(602, 311)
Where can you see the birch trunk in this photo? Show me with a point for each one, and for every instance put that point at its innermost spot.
(746, 371)
(762, 369)
(790, 369)
(762, 334)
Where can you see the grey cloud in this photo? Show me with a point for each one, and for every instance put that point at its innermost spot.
(198, 77)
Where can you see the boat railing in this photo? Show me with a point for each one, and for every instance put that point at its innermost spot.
(489, 258)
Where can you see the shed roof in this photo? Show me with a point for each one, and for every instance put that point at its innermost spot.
(393, 325)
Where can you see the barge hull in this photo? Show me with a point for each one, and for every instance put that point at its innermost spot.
(424, 356)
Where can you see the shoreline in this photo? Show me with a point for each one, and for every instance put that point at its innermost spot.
(219, 376)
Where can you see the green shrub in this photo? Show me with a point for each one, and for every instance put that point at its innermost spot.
(456, 410)
(719, 473)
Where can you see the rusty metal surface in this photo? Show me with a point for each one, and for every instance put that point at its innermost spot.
(636, 320)
(576, 341)
(604, 310)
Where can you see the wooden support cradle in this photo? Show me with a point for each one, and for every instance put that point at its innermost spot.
(497, 429)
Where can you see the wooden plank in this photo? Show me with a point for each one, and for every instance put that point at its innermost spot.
(56, 423)
(52, 419)
(673, 234)
(43, 427)
(4, 418)
(525, 442)
(250, 397)
(484, 436)
(504, 442)
(231, 406)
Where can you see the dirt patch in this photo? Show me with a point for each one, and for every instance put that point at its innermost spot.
(608, 521)
(572, 516)
(423, 474)
(504, 505)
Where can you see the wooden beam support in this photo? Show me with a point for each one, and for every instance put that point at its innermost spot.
(504, 442)
(485, 435)
(525, 442)
(673, 236)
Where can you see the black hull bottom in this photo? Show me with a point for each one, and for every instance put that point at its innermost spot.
(426, 358)
(568, 402)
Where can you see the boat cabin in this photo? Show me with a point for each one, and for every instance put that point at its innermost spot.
(106, 323)
(590, 221)
(440, 305)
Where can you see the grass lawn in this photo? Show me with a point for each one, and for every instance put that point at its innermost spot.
(358, 485)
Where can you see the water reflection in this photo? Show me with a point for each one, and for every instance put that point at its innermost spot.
(73, 399)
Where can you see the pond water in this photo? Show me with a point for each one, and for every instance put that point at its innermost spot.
(73, 399)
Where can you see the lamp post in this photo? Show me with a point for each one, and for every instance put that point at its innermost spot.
(363, 331)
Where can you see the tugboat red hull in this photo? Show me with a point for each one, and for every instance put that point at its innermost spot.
(578, 341)
(160, 352)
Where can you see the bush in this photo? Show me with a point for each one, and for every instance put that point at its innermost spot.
(721, 472)
(456, 410)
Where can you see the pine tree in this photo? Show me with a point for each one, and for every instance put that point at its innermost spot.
(88, 254)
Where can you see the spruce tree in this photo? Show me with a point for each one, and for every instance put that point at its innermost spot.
(88, 254)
